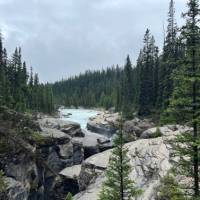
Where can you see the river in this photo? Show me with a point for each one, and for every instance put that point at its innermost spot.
(80, 116)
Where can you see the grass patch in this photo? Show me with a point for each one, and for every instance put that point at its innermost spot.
(157, 133)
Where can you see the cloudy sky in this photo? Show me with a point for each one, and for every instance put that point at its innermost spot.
(60, 38)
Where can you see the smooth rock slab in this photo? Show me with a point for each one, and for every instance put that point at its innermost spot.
(71, 172)
(104, 123)
(150, 160)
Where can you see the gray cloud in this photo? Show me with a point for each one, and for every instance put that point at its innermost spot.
(64, 37)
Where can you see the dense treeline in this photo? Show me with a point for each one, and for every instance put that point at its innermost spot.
(145, 87)
(20, 90)
(93, 88)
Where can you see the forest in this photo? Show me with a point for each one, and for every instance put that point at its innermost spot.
(145, 87)
(19, 87)
(163, 85)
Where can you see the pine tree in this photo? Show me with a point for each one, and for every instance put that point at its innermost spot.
(7, 98)
(69, 196)
(118, 185)
(19, 91)
(185, 103)
(2, 75)
(168, 60)
(127, 90)
(148, 67)
(169, 189)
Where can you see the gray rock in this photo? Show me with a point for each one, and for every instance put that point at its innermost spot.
(167, 130)
(134, 128)
(16, 190)
(72, 172)
(54, 123)
(73, 131)
(78, 153)
(104, 123)
(150, 160)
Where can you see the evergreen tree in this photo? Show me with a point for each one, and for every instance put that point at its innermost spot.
(148, 68)
(92, 89)
(185, 102)
(127, 90)
(169, 189)
(118, 185)
(168, 60)
(2, 75)
(17, 90)
(69, 196)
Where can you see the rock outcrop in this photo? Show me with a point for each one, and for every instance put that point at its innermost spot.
(32, 162)
(164, 131)
(72, 129)
(45, 160)
(15, 190)
(150, 160)
(93, 143)
(104, 123)
(134, 128)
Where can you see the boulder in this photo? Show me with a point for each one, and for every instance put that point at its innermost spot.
(92, 167)
(73, 131)
(54, 123)
(54, 134)
(72, 172)
(134, 128)
(93, 143)
(69, 128)
(167, 130)
(105, 123)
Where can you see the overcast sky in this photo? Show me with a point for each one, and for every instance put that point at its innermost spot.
(60, 38)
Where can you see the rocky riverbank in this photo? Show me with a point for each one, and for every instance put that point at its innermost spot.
(47, 158)
(150, 159)
(37, 166)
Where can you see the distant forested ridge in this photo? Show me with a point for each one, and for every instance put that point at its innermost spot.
(146, 86)
(20, 89)
(91, 89)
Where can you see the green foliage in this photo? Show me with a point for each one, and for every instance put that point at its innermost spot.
(118, 185)
(172, 52)
(127, 90)
(39, 139)
(185, 101)
(169, 189)
(91, 89)
(148, 75)
(2, 182)
(69, 196)
(157, 133)
(18, 90)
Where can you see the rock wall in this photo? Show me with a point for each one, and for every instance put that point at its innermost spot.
(32, 171)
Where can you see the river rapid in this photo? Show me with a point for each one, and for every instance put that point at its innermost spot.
(80, 116)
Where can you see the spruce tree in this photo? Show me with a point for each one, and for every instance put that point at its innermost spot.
(148, 67)
(169, 189)
(69, 196)
(2, 75)
(168, 60)
(185, 103)
(118, 185)
(127, 90)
